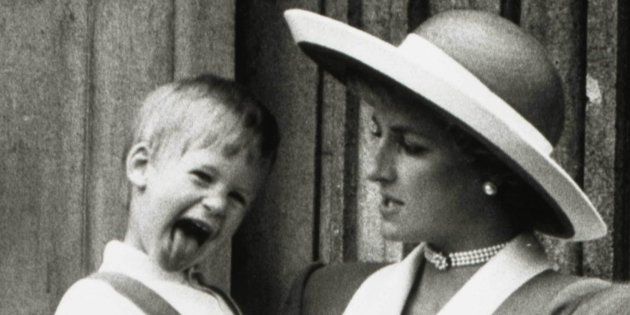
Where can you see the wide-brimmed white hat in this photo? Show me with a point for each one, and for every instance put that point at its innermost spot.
(484, 74)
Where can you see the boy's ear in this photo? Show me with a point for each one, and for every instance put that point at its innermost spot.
(137, 163)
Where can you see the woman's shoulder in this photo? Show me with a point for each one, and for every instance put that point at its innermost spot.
(592, 296)
(554, 293)
(327, 289)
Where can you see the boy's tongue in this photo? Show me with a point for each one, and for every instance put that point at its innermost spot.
(182, 249)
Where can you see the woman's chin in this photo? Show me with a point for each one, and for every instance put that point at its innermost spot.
(394, 233)
(390, 232)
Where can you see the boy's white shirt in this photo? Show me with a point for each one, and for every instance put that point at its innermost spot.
(385, 292)
(92, 296)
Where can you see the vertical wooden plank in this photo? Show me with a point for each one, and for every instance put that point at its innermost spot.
(511, 10)
(385, 19)
(204, 42)
(420, 10)
(43, 61)
(204, 37)
(493, 6)
(417, 12)
(621, 232)
(600, 139)
(388, 21)
(276, 238)
(437, 6)
(337, 159)
(133, 53)
(561, 26)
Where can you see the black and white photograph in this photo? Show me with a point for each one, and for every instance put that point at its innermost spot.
(314, 157)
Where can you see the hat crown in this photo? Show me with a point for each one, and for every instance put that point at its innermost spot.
(507, 60)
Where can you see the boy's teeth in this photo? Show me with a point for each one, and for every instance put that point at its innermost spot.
(194, 229)
(389, 202)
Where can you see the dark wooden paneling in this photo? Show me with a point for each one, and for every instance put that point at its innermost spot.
(42, 95)
(73, 71)
(621, 232)
(204, 42)
(600, 139)
(511, 9)
(420, 10)
(385, 19)
(276, 239)
(417, 12)
(437, 6)
(335, 157)
(561, 26)
(133, 53)
(204, 37)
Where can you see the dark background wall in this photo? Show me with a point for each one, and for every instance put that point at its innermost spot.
(71, 71)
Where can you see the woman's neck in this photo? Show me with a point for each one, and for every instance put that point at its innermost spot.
(472, 239)
(493, 226)
(433, 288)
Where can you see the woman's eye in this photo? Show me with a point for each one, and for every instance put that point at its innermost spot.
(412, 148)
(203, 177)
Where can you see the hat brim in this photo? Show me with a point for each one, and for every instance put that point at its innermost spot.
(339, 49)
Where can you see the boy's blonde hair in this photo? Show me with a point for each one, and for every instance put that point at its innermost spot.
(202, 112)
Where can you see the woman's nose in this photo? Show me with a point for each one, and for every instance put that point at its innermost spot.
(382, 169)
(215, 203)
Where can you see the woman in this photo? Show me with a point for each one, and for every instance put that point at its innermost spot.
(465, 112)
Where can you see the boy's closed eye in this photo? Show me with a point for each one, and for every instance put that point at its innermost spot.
(239, 198)
(203, 178)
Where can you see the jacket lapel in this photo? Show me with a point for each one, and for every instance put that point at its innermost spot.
(385, 292)
(521, 260)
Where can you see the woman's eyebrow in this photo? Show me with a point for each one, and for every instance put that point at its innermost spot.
(407, 129)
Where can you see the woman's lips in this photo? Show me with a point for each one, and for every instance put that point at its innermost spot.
(389, 206)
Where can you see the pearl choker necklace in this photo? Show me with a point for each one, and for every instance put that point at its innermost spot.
(461, 259)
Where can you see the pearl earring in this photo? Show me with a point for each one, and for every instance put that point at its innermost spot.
(489, 188)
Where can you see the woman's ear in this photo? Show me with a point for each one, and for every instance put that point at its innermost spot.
(137, 163)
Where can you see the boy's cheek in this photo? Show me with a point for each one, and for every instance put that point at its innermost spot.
(235, 222)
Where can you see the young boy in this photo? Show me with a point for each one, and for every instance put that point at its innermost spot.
(200, 153)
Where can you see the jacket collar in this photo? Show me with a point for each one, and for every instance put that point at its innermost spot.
(522, 259)
(122, 258)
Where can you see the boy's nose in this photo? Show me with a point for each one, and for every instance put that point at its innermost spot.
(215, 203)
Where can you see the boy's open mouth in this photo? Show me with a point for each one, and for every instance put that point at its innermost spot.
(195, 229)
(187, 237)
